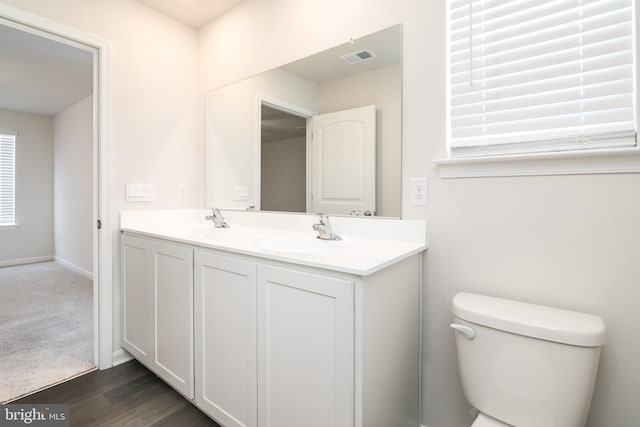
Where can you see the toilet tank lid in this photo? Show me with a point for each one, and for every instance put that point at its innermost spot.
(536, 321)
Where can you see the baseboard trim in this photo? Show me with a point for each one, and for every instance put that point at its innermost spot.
(12, 262)
(71, 266)
(120, 356)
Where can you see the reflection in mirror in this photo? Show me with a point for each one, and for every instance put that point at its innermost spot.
(283, 160)
(320, 134)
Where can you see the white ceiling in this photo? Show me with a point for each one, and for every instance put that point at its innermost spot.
(328, 65)
(194, 13)
(41, 76)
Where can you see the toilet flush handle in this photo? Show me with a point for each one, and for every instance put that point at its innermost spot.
(466, 330)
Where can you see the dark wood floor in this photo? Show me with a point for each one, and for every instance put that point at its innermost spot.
(127, 395)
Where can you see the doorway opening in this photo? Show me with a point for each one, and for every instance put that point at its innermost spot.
(282, 150)
(80, 249)
(283, 160)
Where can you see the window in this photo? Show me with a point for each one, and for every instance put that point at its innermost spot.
(7, 177)
(532, 76)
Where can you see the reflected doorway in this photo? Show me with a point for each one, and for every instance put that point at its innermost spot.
(283, 158)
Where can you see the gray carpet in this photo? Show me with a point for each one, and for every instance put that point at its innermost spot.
(46, 327)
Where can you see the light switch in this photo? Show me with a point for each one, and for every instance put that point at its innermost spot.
(139, 192)
(240, 192)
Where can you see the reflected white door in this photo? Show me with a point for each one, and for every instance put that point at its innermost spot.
(343, 165)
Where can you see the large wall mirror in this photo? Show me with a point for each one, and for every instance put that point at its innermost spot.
(322, 134)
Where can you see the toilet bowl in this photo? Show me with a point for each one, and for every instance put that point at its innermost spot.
(526, 365)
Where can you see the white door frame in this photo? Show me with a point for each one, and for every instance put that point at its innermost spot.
(102, 238)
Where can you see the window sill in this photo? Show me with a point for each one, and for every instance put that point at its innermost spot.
(622, 160)
(9, 226)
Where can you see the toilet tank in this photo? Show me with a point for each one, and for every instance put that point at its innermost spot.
(527, 365)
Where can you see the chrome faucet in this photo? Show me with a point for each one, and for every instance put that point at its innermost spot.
(325, 232)
(217, 218)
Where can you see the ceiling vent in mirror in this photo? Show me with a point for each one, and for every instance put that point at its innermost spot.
(361, 55)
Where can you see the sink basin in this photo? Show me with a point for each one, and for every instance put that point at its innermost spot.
(301, 246)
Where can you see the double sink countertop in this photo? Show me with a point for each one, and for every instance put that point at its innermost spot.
(368, 244)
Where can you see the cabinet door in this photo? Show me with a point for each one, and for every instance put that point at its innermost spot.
(172, 314)
(225, 325)
(305, 349)
(136, 299)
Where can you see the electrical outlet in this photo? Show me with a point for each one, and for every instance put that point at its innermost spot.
(211, 194)
(418, 191)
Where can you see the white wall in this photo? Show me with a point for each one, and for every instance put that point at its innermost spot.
(33, 239)
(568, 241)
(156, 127)
(73, 186)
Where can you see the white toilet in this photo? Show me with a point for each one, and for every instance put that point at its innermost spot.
(526, 365)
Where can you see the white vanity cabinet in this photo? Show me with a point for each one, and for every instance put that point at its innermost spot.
(225, 326)
(274, 346)
(288, 346)
(136, 298)
(305, 349)
(157, 287)
(261, 338)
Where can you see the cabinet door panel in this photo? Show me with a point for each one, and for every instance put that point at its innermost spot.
(136, 322)
(226, 338)
(305, 349)
(173, 315)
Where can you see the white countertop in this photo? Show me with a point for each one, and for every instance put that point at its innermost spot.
(367, 245)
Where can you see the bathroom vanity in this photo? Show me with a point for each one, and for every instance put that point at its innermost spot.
(263, 324)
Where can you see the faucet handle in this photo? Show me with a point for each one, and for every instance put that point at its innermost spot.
(323, 218)
(324, 229)
(217, 218)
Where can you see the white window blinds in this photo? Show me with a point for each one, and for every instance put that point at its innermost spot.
(540, 75)
(7, 177)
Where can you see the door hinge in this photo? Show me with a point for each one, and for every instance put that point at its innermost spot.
(99, 224)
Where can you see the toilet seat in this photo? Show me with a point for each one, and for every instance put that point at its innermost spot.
(486, 421)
